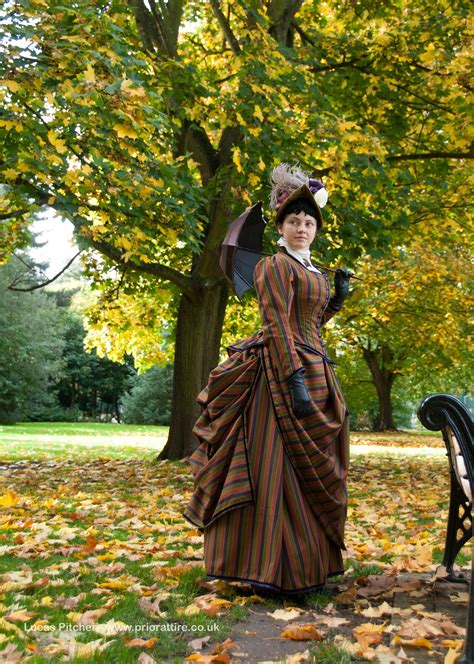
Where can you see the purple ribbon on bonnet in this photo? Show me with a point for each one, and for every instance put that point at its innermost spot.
(314, 185)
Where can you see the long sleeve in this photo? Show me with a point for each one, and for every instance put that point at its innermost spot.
(273, 279)
(327, 315)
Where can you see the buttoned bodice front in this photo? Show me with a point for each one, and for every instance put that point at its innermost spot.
(293, 307)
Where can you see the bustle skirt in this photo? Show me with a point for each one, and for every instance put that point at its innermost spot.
(270, 490)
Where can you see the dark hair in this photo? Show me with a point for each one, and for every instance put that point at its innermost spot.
(300, 205)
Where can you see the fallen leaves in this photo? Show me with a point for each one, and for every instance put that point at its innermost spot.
(374, 585)
(301, 632)
(210, 604)
(367, 635)
(282, 614)
(116, 531)
(218, 656)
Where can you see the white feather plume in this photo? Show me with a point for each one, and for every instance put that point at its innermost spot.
(286, 178)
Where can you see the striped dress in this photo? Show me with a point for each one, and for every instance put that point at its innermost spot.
(270, 490)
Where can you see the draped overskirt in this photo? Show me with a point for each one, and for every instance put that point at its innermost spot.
(270, 490)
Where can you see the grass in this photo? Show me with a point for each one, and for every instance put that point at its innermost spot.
(328, 653)
(50, 440)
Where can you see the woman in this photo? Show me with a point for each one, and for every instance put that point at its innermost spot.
(270, 471)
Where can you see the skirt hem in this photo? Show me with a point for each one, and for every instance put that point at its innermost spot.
(271, 586)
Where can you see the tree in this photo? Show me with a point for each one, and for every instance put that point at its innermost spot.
(410, 316)
(149, 400)
(148, 124)
(31, 349)
(88, 380)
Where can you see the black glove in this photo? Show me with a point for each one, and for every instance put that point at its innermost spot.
(300, 400)
(341, 287)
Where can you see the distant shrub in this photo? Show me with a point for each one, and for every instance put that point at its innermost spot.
(149, 401)
(54, 413)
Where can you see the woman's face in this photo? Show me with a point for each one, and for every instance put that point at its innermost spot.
(299, 230)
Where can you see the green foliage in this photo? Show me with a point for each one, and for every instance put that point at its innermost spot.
(149, 401)
(45, 372)
(151, 144)
(31, 347)
(89, 385)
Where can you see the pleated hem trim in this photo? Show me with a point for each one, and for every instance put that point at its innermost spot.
(272, 587)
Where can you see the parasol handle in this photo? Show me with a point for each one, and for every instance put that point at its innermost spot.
(331, 269)
(323, 267)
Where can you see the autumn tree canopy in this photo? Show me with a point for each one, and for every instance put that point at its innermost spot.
(151, 125)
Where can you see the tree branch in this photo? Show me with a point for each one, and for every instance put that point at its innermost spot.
(225, 25)
(433, 155)
(282, 13)
(183, 282)
(304, 36)
(194, 138)
(9, 215)
(158, 27)
(48, 281)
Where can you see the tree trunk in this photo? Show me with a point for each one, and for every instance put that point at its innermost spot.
(383, 378)
(198, 336)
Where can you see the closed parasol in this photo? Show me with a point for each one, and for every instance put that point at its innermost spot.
(241, 249)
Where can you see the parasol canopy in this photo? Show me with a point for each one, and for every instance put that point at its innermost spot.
(241, 249)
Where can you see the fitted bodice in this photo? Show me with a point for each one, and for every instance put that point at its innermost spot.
(292, 302)
(308, 297)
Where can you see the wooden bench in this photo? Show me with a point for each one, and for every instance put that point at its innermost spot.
(446, 413)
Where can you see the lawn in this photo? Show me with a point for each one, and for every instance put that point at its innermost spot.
(55, 439)
(97, 563)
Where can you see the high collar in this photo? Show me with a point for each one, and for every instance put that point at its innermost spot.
(300, 256)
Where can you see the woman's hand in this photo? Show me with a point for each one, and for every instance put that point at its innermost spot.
(300, 399)
(341, 282)
(341, 288)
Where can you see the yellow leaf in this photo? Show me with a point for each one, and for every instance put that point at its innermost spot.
(13, 86)
(368, 634)
(457, 644)
(281, 614)
(414, 643)
(452, 656)
(74, 616)
(89, 74)
(10, 124)
(258, 113)
(125, 131)
(301, 633)
(20, 616)
(9, 627)
(125, 243)
(254, 179)
(255, 131)
(10, 174)
(58, 143)
(116, 585)
(237, 161)
(126, 88)
(9, 499)
(78, 649)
